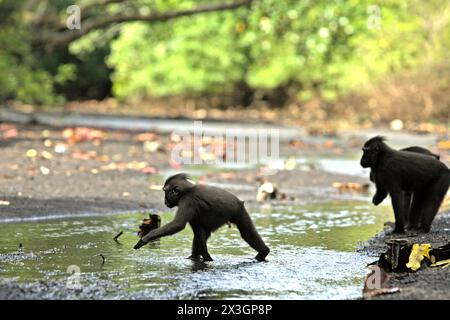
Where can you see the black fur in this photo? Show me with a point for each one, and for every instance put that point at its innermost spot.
(406, 175)
(407, 196)
(206, 209)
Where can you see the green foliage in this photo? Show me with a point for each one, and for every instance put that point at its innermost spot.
(21, 79)
(325, 48)
(275, 44)
(174, 59)
(309, 48)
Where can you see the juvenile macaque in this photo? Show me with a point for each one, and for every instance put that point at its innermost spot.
(206, 209)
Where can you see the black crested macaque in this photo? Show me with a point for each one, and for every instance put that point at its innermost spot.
(404, 172)
(206, 209)
(407, 196)
(415, 149)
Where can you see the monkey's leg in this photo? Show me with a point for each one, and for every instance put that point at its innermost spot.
(416, 210)
(398, 206)
(203, 248)
(196, 245)
(407, 198)
(248, 232)
(432, 201)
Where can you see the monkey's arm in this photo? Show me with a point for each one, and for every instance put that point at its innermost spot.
(176, 225)
(380, 195)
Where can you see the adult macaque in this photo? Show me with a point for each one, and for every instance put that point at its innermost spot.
(405, 175)
(407, 196)
(206, 209)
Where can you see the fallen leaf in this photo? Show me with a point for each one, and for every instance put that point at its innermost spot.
(444, 263)
(444, 144)
(48, 143)
(31, 153)
(347, 186)
(151, 146)
(11, 133)
(290, 164)
(44, 170)
(60, 148)
(148, 170)
(147, 136)
(46, 155)
(418, 253)
(82, 134)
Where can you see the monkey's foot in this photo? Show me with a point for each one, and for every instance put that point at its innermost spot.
(398, 230)
(207, 258)
(195, 258)
(420, 230)
(261, 256)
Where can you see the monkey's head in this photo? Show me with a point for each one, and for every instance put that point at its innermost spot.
(175, 187)
(371, 150)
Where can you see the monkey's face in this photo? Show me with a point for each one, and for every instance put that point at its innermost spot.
(172, 195)
(370, 156)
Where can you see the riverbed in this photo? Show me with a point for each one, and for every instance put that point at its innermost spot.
(313, 256)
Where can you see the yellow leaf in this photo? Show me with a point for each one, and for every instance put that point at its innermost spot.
(444, 263)
(418, 252)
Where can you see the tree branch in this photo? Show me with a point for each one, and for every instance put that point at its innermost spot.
(59, 39)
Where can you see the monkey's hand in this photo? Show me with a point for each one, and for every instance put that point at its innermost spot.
(378, 198)
(139, 244)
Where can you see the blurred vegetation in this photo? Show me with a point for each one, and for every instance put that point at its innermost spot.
(373, 60)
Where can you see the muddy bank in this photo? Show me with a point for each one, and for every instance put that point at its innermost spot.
(117, 174)
(428, 283)
(94, 194)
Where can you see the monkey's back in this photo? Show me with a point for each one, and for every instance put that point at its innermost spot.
(413, 170)
(214, 206)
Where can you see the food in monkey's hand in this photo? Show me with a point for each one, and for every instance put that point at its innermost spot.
(154, 222)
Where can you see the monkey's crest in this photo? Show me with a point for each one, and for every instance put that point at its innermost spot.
(178, 176)
(180, 180)
(375, 141)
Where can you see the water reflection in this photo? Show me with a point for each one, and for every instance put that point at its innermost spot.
(312, 255)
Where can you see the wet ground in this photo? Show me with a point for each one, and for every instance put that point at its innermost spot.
(313, 233)
(427, 283)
